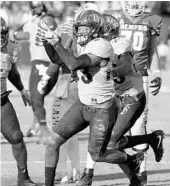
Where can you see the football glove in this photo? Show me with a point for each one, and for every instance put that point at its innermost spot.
(156, 84)
(48, 34)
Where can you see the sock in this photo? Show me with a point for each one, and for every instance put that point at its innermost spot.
(131, 141)
(23, 173)
(49, 176)
(90, 163)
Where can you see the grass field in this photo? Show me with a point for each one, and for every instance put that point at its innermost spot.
(105, 174)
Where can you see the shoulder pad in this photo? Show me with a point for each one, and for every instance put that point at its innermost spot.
(121, 45)
(155, 22)
(99, 47)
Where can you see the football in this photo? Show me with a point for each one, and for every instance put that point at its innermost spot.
(48, 20)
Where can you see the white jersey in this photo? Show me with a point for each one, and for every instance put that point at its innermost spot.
(9, 57)
(37, 50)
(95, 85)
(133, 83)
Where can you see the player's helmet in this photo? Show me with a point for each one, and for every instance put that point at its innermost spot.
(133, 8)
(88, 26)
(4, 33)
(38, 7)
(86, 6)
(111, 28)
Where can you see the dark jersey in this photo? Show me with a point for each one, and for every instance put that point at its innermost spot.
(139, 30)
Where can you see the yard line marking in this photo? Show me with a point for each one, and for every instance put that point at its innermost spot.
(42, 162)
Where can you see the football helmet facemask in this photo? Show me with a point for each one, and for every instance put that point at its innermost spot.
(133, 8)
(4, 33)
(88, 26)
(111, 28)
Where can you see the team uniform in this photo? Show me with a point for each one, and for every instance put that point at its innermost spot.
(130, 93)
(10, 127)
(140, 32)
(93, 92)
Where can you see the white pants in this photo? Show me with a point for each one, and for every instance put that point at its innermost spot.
(70, 150)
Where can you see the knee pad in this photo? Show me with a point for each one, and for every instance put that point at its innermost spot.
(15, 137)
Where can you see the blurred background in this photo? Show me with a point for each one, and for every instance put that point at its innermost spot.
(18, 12)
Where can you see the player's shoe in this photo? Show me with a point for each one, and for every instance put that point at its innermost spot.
(86, 178)
(25, 182)
(67, 178)
(139, 179)
(157, 144)
(30, 133)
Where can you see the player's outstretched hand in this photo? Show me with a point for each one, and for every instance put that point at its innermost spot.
(156, 85)
(46, 137)
(47, 34)
(26, 97)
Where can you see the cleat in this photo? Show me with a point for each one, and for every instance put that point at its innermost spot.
(86, 178)
(26, 182)
(157, 144)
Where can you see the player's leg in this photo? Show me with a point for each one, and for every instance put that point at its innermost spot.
(11, 130)
(64, 127)
(61, 174)
(87, 175)
(37, 68)
(74, 156)
(140, 128)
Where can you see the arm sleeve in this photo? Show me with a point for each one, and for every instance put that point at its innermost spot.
(15, 79)
(52, 54)
(73, 63)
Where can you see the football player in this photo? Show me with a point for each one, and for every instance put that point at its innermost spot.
(95, 89)
(39, 64)
(61, 101)
(10, 127)
(129, 89)
(143, 29)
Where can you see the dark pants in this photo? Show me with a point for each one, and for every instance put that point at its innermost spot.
(37, 99)
(130, 112)
(10, 127)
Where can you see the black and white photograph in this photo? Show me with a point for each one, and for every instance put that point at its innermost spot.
(85, 93)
